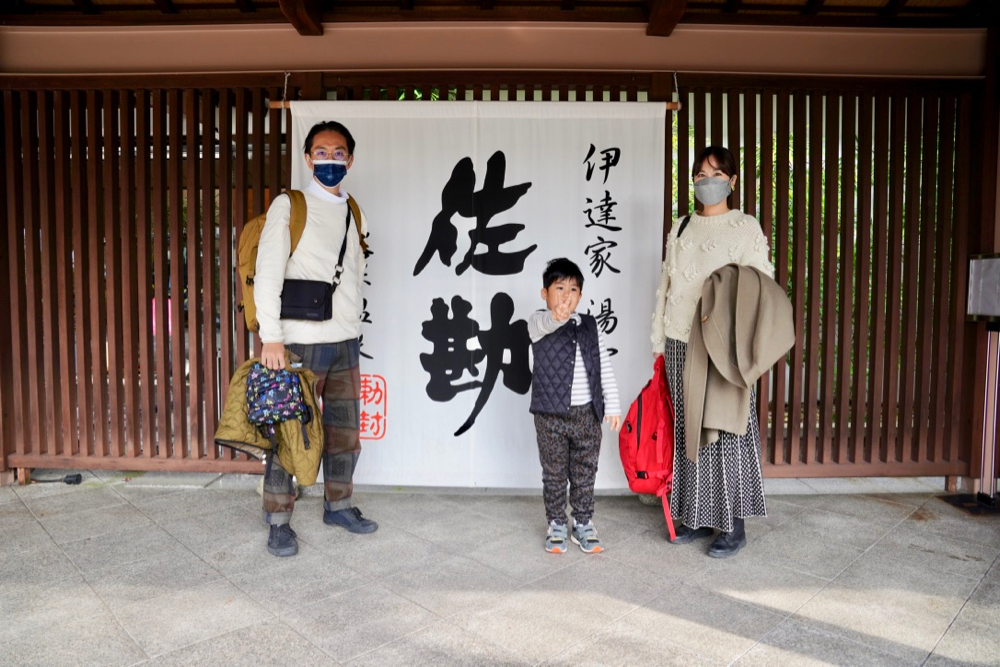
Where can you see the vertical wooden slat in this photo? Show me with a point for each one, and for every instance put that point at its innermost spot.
(814, 448)
(96, 278)
(782, 169)
(258, 111)
(209, 254)
(32, 274)
(943, 268)
(175, 197)
(876, 444)
(750, 155)
(15, 278)
(193, 276)
(112, 275)
(683, 157)
(799, 410)
(911, 288)
(81, 297)
(64, 278)
(926, 282)
(734, 141)
(144, 271)
(52, 411)
(960, 244)
(700, 122)
(829, 228)
(6, 381)
(229, 320)
(162, 319)
(274, 137)
(716, 106)
(892, 360)
(862, 401)
(845, 396)
(240, 212)
(131, 280)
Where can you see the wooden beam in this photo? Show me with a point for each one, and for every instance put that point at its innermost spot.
(306, 16)
(813, 7)
(86, 6)
(166, 6)
(732, 6)
(406, 5)
(246, 6)
(892, 7)
(664, 15)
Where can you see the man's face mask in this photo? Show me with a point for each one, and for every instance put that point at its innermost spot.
(329, 172)
(711, 191)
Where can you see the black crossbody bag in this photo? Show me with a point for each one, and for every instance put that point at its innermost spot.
(313, 299)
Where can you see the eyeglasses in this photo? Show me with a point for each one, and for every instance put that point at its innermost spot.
(323, 154)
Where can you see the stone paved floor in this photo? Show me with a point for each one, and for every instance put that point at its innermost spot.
(172, 570)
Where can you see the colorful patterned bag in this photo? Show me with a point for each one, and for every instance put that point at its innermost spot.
(274, 397)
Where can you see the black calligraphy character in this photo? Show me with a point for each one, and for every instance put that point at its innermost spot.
(361, 347)
(366, 317)
(607, 320)
(600, 254)
(451, 356)
(604, 219)
(493, 198)
(609, 158)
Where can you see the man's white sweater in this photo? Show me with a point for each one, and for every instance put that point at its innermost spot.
(708, 243)
(315, 258)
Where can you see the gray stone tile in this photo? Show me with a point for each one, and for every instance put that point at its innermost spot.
(939, 517)
(651, 552)
(193, 502)
(852, 485)
(268, 644)
(452, 585)
(157, 478)
(121, 548)
(46, 603)
(97, 640)
(757, 579)
(785, 486)
(234, 558)
(715, 626)
(288, 583)
(606, 586)
(387, 552)
(814, 556)
(985, 599)
(528, 623)
(359, 621)
(241, 481)
(14, 509)
(523, 555)
(7, 495)
(68, 503)
(881, 508)
(169, 622)
(519, 511)
(937, 552)
(205, 533)
(793, 643)
(839, 529)
(890, 605)
(627, 510)
(440, 645)
(33, 567)
(160, 574)
(623, 644)
(778, 514)
(32, 491)
(21, 535)
(92, 523)
(971, 640)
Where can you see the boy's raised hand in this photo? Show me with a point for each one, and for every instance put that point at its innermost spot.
(562, 311)
(615, 421)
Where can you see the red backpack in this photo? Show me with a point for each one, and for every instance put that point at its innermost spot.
(646, 441)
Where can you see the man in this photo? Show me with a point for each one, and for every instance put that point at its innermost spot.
(330, 348)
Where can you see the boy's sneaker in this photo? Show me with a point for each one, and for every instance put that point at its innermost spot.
(281, 541)
(585, 535)
(555, 540)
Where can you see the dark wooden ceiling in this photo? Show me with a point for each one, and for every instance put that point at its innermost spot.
(661, 16)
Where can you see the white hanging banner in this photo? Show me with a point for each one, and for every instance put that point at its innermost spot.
(466, 203)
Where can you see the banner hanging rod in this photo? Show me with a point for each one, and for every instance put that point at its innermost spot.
(671, 106)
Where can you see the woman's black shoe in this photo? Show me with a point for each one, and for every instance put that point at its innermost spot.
(727, 544)
(686, 534)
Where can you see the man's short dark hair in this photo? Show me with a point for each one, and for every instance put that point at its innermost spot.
(559, 269)
(329, 126)
(724, 158)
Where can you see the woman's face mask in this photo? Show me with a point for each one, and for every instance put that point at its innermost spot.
(329, 172)
(712, 190)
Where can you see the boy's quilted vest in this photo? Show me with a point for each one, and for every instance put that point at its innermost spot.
(555, 357)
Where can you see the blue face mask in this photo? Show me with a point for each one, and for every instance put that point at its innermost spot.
(329, 172)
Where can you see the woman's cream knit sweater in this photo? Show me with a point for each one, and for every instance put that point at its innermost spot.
(708, 243)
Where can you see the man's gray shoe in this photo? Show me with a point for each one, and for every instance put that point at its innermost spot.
(281, 541)
(686, 534)
(351, 519)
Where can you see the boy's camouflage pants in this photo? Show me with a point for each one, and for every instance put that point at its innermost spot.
(568, 447)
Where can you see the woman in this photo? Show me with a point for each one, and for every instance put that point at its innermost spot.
(725, 485)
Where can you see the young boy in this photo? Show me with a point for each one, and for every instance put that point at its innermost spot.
(572, 390)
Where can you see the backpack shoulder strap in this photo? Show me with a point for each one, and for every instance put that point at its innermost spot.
(356, 212)
(297, 220)
(684, 223)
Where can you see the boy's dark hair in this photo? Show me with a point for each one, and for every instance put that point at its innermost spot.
(329, 126)
(561, 268)
(723, 157)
